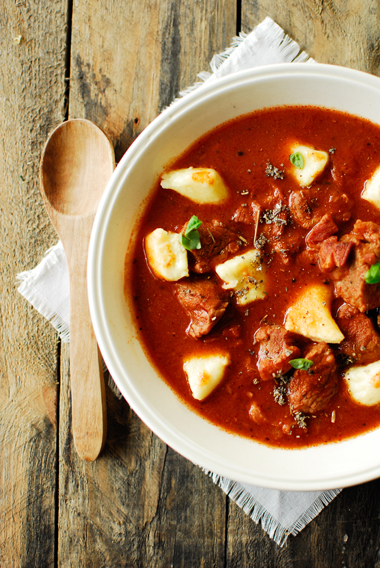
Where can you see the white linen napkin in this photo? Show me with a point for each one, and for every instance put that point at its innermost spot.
(46, 287)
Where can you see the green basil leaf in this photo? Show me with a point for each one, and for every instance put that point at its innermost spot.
(193, 224)
(297, 160)
(191, 239)
(373, 274)
(303, 364)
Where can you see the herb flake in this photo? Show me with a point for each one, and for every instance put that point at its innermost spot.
(279, 395)
(300, 419)
(272, 171)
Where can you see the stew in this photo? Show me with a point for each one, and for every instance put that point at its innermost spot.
(266, 321)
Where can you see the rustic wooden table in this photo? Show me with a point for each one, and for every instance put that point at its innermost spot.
(140, 505)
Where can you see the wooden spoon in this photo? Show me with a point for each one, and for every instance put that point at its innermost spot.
(76, 164)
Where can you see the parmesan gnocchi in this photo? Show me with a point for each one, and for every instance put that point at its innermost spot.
(364, 383)
(201, 185)
(311, 317)
(245, 275)
(371, 190)
(314, 162)
(205, 373)
(166, 256)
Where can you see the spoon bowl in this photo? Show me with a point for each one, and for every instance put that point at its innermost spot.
(76, 165)
(77, 162)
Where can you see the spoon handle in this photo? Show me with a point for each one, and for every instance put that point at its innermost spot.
(89, 413)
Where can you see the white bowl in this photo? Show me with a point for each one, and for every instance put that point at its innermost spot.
(323, 467)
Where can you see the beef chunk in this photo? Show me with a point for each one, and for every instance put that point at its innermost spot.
(204, 301)
(301, 209)
(279, 232)
(217, 241)
(308, 206)
(367, 231)
(247, 213)
(276, 350)
(286, 241)
(362, 342)
(349, 280)
(311, 391)
(321, 231)
(334, 254)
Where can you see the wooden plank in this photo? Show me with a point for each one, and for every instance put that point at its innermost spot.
(32, 66)
(340, 33)
(130, 62)
(346, 533)
(140, 504)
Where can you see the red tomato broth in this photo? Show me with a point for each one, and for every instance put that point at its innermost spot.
(239, 150)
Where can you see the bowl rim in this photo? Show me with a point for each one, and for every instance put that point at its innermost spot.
(186, 447)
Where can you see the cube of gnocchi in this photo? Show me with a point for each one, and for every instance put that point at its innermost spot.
(201, 185)
(371, 190)
(314, 162)
(311, 317)
(245, 274)
(205, 372)
(166, 255)
(364, 383)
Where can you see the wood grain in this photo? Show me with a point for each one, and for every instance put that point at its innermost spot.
(128, 63)
(140, 503)
(31, 103)
(336, 32)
